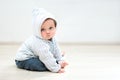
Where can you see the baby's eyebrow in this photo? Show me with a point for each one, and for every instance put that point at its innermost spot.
(42, 28)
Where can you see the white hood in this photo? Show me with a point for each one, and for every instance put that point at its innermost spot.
(39, 16)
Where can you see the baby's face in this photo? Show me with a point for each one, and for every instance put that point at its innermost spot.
(48, 29)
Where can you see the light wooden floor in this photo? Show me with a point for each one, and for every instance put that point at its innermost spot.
(86, 62)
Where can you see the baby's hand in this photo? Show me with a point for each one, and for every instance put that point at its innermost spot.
(63, 64)
(61, 71)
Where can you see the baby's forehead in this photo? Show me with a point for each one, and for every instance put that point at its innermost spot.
(51, 19)
(48, 23)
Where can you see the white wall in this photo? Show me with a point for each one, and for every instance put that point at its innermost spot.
(83, 21)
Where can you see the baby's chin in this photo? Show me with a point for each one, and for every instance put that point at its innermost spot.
(48, 39)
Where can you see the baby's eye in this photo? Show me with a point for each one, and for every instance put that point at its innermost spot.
(51, 28)
(42, 29)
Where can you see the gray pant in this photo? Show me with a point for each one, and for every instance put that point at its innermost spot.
(33, 64)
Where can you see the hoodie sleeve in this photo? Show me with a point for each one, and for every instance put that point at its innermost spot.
(58, 53)
(42, 50)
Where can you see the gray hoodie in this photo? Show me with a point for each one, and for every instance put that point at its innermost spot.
(35, 46)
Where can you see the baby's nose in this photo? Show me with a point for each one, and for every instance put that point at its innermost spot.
(47, 31)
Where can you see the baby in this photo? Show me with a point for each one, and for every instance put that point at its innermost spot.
(41, 52)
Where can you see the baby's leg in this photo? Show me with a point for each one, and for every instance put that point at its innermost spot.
(33, 64)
